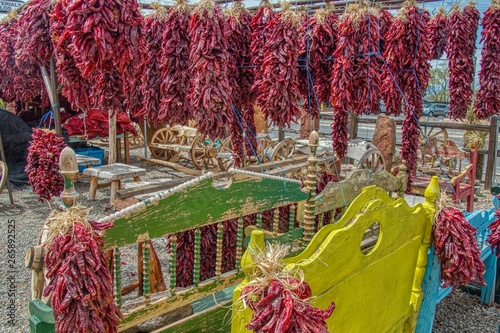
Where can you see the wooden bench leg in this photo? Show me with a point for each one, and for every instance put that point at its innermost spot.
(93, 188)
(114, 186)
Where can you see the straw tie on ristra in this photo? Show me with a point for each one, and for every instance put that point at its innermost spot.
(79, 285)
(280, 298)
(456, 247)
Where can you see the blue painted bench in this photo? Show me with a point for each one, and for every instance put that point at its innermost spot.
(433, 293)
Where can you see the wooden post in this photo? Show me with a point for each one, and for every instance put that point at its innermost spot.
(145, 135)
(112, 137)
(281, 133)
(56, 108)
(310, 184)
(492, 153)
(353, 126)
(50, 82)
(69, 169)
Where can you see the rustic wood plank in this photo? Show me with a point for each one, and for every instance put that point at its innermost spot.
(172, 165)
(167, 304)
(143, 189)
(212, 320)
(202, 204)
(115, 171)
(341, 194)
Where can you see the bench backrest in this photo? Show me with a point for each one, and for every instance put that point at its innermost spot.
(374, 291)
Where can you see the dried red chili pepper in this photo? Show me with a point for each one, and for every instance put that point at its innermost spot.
(407, 71)
(79, 281)
(74, 86)
(42, 165)
(283, 309)
(17, 84)
(494, 236)
(437, 34)
(488, 97)
(174, 106)
(457, 249)
(278, 90)
(356, 76)
(460, 50)
(154, 27)
(34, 44)
(210, 91)
(318, 43)
(259, 37)
(241, 78)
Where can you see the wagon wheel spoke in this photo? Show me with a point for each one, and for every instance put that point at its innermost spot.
(225, 158)
(203, 153)
(283, 150)
(372, 160)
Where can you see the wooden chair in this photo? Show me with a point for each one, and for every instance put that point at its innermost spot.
(461, 185)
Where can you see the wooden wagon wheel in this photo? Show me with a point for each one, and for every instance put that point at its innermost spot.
(3, 175)
(283, 150)
(164, 136)
(437, 133)
(225, 155)
(138, 139)
(372, 160)
(265, 146)
(204, 153)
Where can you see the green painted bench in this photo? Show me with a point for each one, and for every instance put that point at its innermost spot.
(207, 200)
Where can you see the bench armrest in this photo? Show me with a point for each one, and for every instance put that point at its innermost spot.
(467, 172)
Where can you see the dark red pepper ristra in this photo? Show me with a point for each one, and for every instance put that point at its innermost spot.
(210, 91)
(174, 106)
(488, 97)
(79, 281)
(457, 249)
(154, 27)
(42, 165)
(437, 34)
(460, 50)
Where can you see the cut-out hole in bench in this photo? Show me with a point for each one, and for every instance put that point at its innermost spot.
(370, 239)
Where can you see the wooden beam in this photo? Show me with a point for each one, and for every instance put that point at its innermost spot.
(492, 153)
(172, 165)
(132, 192)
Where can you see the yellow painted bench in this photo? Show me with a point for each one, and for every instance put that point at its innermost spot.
(378, 290)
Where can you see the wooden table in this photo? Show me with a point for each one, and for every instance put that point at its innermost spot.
(114, 173)
(87, 161)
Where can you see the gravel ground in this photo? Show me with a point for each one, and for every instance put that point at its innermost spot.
(459, 312)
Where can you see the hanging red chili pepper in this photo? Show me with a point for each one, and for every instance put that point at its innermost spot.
(437, 34)
(42, 165)
(407, 71)
(457, 250)
(210, 91)
(174, 106)
(488, 97)
(74, 87)
(154, 27)
(494, 236)
(259, 38)
(241, 78)
(17, 84)
(278, 91)
(79, 281)
(33, 44)
(385, 22)
(460, 50)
